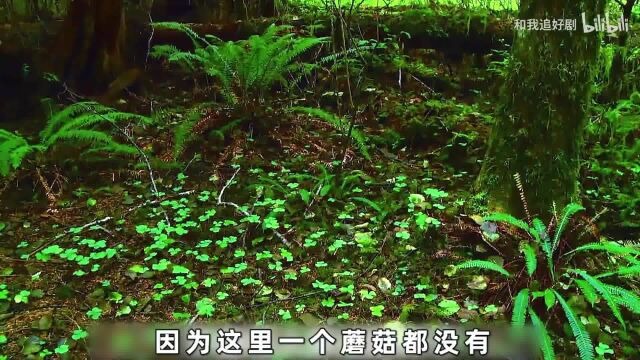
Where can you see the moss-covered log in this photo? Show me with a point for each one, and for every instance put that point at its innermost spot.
(447, 29)
(207, 11)
(539, 124)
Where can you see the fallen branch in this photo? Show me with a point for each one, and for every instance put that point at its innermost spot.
(240, 209)
(79, 229)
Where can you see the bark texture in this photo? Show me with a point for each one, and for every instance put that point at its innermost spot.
(540, 121)
(90, 44)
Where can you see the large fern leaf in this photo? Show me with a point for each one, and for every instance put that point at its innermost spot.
(520, 306)
(626, 298)
(632, 270)
(513, 221)
(583, 341)
(609, 247)
(604, 292)
(246, 69)
(62, 117)
(483, 265)
(567, 214)
(530, 258)
(588, 291)
(546, 345)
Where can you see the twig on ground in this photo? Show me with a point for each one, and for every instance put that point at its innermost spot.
(99, 222)
(240, 209)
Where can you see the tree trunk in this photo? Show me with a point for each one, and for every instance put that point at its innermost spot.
(91, 42)
(615, 88)
(540, 120)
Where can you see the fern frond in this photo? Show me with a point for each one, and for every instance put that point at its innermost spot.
(626, 298)
(513, 221)
(545, 241)
(609, 247)
(628, 270)
(183, 134)
(163, 51)
(583, 341)
(539, 227)
(622, 271)
(197, 40)
(568, 213)
(70, 112)
(602, 289)
(632, 260)
(18, 155)
(13, 148)
(191, 61)
(546, 345)
(588, 291)
(359, 138)
(483, 265)
(83, 136)
(370, 203)
(530, 258)
(78, 123)
(520, 305)
(246, 69)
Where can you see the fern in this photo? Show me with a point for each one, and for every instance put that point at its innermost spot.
(246, 69)
(568, 213)
(520, 305)
(197, 40)
(76, 125)
(602, 289)
(359, 138)
(585, 346)
(484, 265)
(539, 227)
(370, 203)
(13, 149)
(511, 220)
(546, 345)
(588, 291)
(626, 298)
(609, 247)
(183, 135)
(530, 257)
(622, 271)
(543, 239)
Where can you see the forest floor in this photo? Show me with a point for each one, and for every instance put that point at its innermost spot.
(274, 221)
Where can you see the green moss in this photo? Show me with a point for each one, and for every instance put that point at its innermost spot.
(542, 114)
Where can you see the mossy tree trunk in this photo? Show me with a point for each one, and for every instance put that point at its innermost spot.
(615, 88)
(540, 119)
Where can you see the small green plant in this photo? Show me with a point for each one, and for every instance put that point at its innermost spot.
(248, 69)
(78, 126)
(542, 244)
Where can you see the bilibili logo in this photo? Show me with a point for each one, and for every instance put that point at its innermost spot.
(605, 24)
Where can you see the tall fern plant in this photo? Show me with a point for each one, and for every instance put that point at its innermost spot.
(541, 247)
(247, 70)
(86, 126)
